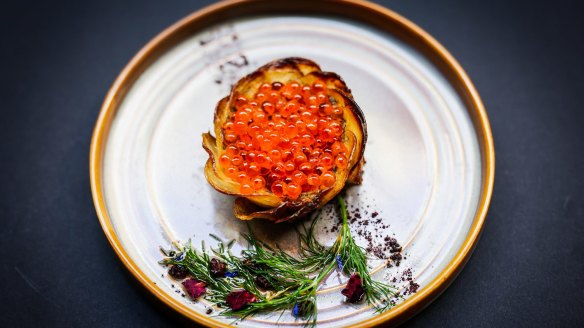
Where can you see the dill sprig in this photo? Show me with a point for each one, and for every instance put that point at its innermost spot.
(354, 260)
(197, 262)
(294, 281)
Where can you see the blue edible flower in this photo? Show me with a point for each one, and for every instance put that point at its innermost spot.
(296, 310)
(179, 257)
(230, 274)
(339, 263)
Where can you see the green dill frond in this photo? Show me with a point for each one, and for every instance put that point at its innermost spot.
(293, 281)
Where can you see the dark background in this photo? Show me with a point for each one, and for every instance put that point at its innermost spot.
(58, 59)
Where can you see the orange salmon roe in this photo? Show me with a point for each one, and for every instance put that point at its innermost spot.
(287, 140)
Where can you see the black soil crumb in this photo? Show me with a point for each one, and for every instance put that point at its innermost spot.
(226, 41)
(368, 223)
(407, 275)
(230, 72)
(375, 232)
(413, 287)
(240, 62)
(396, 258)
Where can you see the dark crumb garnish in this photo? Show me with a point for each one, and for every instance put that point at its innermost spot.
(241, 63)
(413, 287)
(396, 258)
(209, 311)
(407, 275)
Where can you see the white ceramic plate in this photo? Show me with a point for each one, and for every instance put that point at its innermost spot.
(429, 156)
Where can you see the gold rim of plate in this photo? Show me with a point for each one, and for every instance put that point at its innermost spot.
(363, 11)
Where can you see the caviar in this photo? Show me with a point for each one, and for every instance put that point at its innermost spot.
(286, 139)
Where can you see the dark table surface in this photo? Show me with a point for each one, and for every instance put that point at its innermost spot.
(58, 59)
